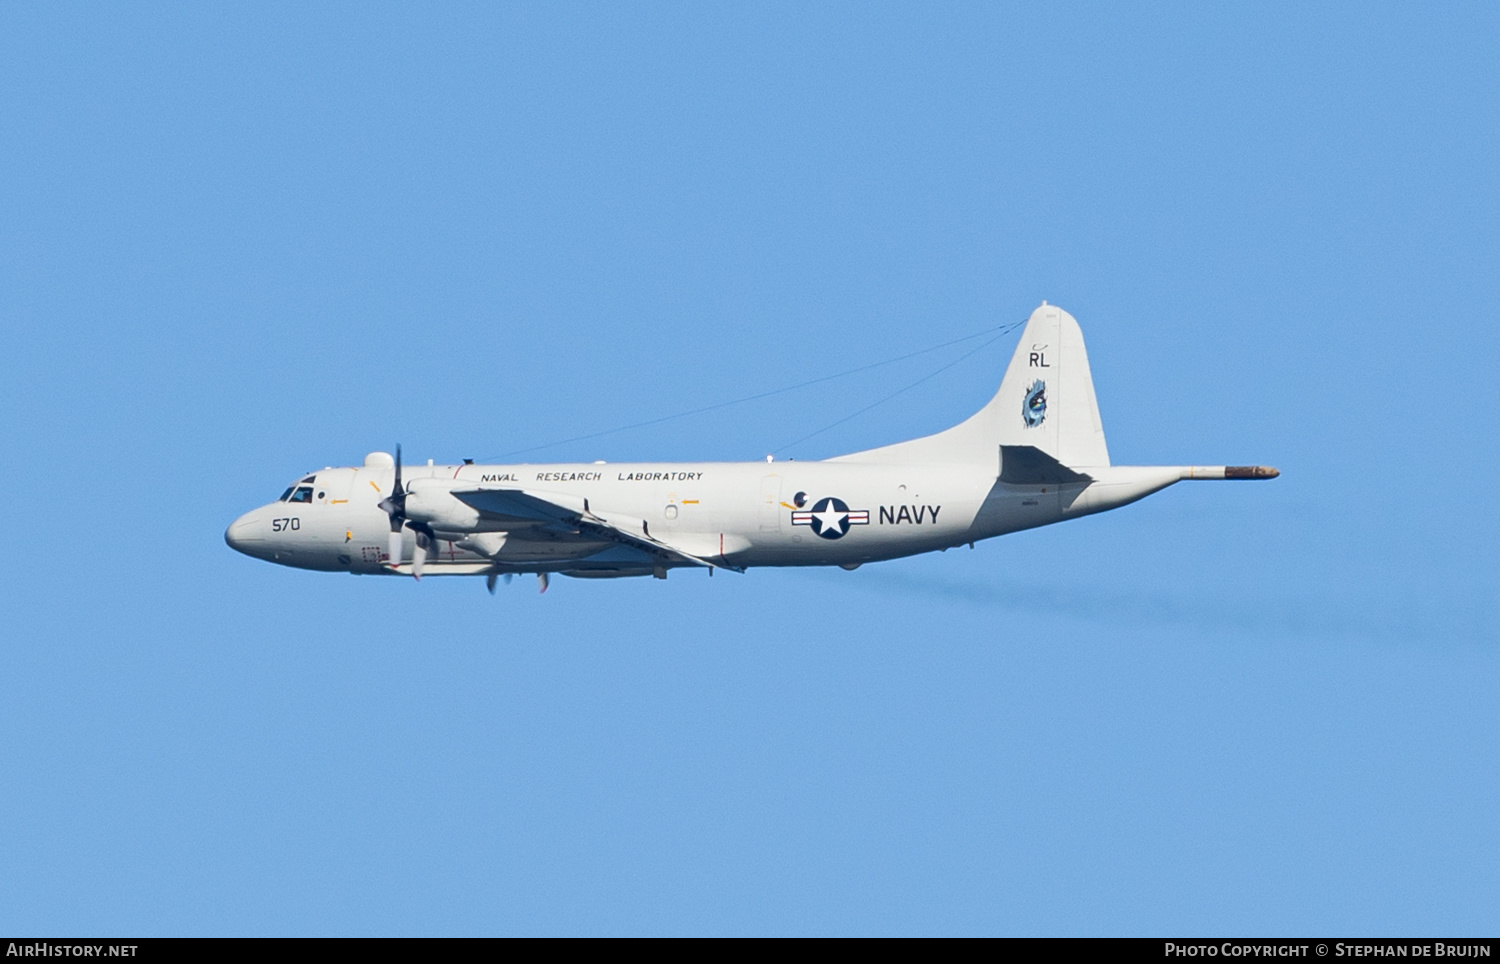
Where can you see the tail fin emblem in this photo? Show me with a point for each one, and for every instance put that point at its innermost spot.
(1034, 408)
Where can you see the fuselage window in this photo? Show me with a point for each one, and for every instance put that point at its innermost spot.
(287, 494)
(303, 494)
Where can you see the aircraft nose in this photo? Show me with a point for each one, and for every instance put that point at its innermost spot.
(243, 536)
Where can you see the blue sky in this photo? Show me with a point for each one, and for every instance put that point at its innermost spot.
(236, 244)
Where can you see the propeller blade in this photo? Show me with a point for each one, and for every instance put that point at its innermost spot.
(541, 581)
(508, 577)
(489, 582)
(419, 555)
(395, 558)
(394, 505)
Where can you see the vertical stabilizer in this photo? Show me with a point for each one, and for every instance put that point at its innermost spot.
(1045, 401)
(1047, 397)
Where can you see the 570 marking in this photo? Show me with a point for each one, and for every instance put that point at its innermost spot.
(285, 525)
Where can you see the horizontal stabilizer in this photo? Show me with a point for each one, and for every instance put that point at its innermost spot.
(1028, 465)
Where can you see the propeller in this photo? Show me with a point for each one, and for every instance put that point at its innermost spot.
(395, 507)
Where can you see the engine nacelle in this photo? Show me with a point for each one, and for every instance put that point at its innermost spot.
(431, 502)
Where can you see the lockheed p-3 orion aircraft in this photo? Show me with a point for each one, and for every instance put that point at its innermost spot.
(1033, 456)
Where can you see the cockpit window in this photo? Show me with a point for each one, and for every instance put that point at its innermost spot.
(287, 494)
(303, 494)
(310, 479)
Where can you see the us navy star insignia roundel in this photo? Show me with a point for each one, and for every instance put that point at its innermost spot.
(831, 518)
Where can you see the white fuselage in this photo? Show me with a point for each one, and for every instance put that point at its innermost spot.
(741, 513)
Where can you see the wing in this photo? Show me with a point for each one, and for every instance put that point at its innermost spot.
(521, 507)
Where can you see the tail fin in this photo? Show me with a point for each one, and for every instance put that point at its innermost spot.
(1047, 397)
(1046, 401)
